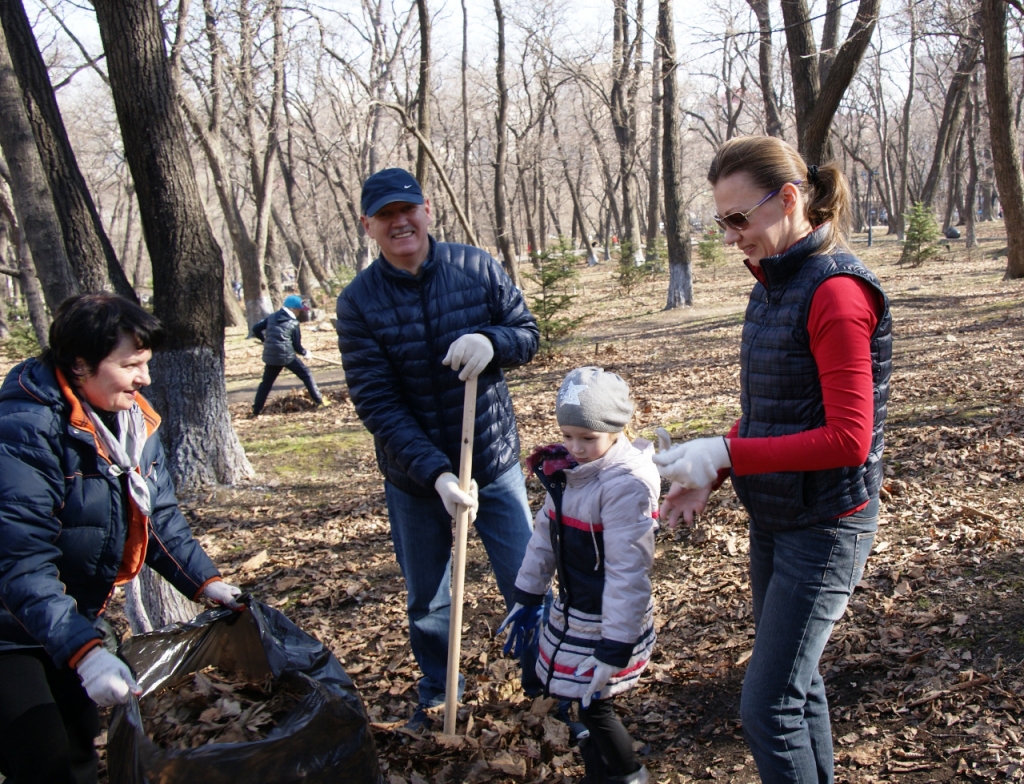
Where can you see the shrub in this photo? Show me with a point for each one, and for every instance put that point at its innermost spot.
(710, 250)
(554, 271)
(920, 241)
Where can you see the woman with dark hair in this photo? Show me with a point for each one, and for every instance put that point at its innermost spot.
(806, 454)
(85, 501)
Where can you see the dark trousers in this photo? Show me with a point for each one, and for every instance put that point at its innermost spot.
(609, 742)
(270, 374)
(47, 723)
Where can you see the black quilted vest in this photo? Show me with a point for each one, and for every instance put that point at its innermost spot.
(781, 393)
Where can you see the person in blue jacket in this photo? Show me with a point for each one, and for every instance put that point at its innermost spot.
(281, 337)
(85, 501)
(418, 322)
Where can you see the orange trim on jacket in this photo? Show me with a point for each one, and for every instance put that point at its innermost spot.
(80, 653)
(137, 538)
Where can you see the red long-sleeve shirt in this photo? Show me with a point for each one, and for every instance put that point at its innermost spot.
(844, 314)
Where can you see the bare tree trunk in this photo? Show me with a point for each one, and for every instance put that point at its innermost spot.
(14, 233)
(501, 155)
(949, 125)
(188, 270)
(654, 189)
(973, 116)
(466, 204)
(86, 244)
(677, 230)
(773, 119)
(1005, 153)
(150, 602)
(623, 109)
(423, 93)
(30, 192)
(816, 100)
(903, 185)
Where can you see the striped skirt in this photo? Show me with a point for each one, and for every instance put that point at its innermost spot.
(564, 646)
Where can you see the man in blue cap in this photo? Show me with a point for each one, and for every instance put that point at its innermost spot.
(417, 323)
(282, 344)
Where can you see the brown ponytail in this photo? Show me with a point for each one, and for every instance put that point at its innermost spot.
(771, 162)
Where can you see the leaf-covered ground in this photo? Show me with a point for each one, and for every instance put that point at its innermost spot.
(925, 672)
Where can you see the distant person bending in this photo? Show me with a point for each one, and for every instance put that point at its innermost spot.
(85, 500)
(413, 326)
(281, 336)
(806, 454)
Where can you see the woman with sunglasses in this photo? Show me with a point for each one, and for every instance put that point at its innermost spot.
(805, 455)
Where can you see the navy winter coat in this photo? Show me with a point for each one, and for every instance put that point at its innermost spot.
(281, 337)
(66, 526)
(394, 329)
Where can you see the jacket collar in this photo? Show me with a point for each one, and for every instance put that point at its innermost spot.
(781, 267)
(426, 270)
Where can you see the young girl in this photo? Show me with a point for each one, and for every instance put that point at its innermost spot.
(596, 531)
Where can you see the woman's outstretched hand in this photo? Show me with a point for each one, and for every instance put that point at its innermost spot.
(683, 502)
(695, 463)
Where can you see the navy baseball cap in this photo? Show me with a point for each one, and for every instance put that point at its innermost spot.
(388, 186)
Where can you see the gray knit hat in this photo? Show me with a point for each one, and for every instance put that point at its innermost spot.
(594, 399)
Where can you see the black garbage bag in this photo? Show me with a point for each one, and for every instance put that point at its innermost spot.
(325, 738)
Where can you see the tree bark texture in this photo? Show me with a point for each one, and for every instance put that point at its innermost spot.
(30, 191)
(677, 230)
(654, 181)
(1005, 153)
(816, 101)
(150, 602)
(86, 244)
(188, 270)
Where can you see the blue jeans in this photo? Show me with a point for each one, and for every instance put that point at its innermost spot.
(270, 374)
(801, 583)
(421, 530)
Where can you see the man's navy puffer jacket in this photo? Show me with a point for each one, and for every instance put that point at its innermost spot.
(281, 336)
(393, 331)
(64, 522)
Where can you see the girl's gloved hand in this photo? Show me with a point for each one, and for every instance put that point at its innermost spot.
(602, 674)
(523, 625)
(107, 679)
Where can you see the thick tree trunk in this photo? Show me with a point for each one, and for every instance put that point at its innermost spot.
(188, 271)
(816, 100)
(86, 244)
(973, 116)
(150, 602)
(1005, 153)
(677, 230)
(30, 190)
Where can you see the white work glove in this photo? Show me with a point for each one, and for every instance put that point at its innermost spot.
(107, 679)
(305, 352)
(474, 351)
(447, 486)
(602, 674)
(695, 463)
(219, 592)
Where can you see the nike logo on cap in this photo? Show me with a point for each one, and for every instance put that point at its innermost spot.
(407, 186)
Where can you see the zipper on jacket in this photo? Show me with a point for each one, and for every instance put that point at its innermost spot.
(434, 376)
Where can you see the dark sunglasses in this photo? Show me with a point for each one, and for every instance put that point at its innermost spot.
(737, 221)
